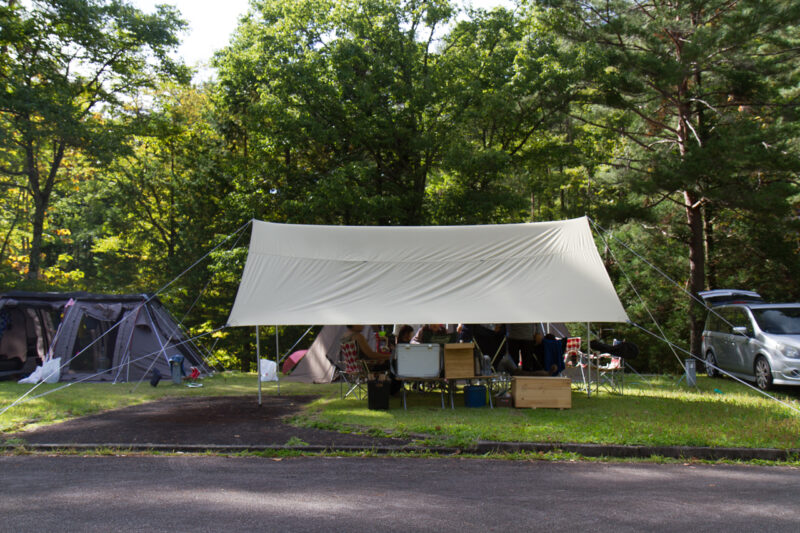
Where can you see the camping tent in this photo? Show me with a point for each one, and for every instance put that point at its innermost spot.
(537, 272)
(97, 337)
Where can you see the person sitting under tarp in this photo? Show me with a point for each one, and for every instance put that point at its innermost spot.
(377, 361)
(433, 334)
(405, 334)
(553, 349)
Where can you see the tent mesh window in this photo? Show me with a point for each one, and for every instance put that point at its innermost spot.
(97, 349)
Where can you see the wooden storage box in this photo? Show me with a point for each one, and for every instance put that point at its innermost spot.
(536, 392)
(459, 361)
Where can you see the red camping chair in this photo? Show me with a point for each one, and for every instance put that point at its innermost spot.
(572, 354)
(353, 371)
(577, 366)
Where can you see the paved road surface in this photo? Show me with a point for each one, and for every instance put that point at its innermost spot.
(204, 493)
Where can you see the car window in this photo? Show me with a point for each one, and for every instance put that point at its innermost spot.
(731, 317)
(740, 319)
(736, 317)
(780, 320)
(718, 320)
(711, 322)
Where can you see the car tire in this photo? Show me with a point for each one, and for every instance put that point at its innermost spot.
(711, 366)
(763, 373)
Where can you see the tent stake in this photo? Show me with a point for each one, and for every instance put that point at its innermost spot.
(258, 364)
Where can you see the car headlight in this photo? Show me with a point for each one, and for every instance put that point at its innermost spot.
(789, 351)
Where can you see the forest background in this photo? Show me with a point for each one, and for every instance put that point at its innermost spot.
(672, 125)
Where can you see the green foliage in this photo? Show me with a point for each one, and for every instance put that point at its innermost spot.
(643, 116)
(335, 101)
(68, 66)
(698, 91)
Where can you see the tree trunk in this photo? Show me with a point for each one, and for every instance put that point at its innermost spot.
(694, 215)
(711, 269)
(35, 263)
(41, 193)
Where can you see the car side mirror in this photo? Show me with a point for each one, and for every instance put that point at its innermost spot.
(741, 330)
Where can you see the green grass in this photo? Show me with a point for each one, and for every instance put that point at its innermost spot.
(664, 414)
(81, 399)
(660, 414)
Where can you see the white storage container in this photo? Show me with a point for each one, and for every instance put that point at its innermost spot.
(418, 360)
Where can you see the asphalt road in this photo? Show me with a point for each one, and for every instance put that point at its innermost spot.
(315, 494)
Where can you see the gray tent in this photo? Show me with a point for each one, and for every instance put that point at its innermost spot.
(98, 337)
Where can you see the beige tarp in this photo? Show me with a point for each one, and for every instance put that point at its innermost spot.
(538, 272)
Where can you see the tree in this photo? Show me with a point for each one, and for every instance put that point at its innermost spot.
(67, 72)
(344, 102)
(703, 93)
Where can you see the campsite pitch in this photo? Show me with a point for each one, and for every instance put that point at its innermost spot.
(717, 419)
(199, 421)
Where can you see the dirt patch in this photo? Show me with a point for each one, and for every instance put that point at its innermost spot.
(222, 420)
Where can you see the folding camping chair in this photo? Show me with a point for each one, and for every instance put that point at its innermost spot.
(577, 364)
(573, 355)
(353, 371)
(612, 372)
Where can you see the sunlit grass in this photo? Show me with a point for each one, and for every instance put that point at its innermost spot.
(719, 413)
(659, 414)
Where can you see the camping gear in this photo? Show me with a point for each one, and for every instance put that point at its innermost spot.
(194, 375)
(691, 373)
(506, 365)
(49, 372)
(472, 274)
(378, 395)
(475, 396)
(418, 361)
(176, 369)
(98, 337)
(534, 392)
(459, 360)
(155, 378)
(269, 370)
(291, 361)
(624, 349)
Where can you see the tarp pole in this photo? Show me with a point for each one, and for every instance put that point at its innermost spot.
(258, 364)
(589, 359)
(277, 357)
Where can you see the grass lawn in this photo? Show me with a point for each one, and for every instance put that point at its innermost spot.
(718, 412)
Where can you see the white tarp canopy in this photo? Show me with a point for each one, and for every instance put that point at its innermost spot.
(537, 272)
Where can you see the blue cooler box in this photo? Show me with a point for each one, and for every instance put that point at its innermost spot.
(475, 396)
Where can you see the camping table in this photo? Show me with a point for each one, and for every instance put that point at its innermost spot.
(437, 382)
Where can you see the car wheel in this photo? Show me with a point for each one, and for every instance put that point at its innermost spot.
(711, 366)
(763, 373)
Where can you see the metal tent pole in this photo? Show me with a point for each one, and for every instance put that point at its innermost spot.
(277, 357)
(588, 360)
(258, 364)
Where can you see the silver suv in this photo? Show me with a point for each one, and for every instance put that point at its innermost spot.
(754, 341)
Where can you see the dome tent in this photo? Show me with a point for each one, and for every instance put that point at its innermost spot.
(98, 337)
